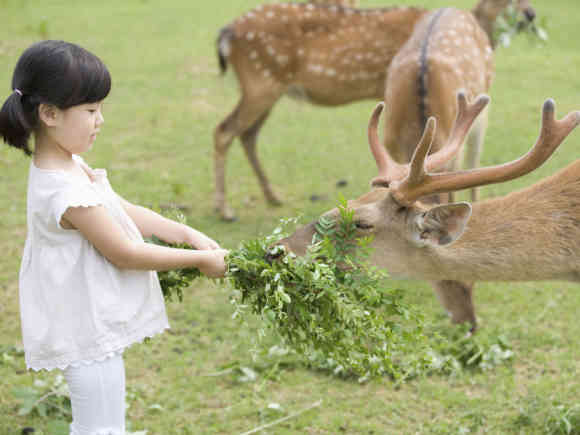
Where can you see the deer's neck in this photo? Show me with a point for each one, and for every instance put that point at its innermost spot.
(486, 14)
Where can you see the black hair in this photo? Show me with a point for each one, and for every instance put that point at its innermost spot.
(50, 72)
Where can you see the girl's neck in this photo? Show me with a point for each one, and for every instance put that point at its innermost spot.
(49, 155)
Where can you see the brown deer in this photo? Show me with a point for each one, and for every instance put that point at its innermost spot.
(529, 235)
(327, 54)
(448, 51)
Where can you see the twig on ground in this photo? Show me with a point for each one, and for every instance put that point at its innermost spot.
(283, 419)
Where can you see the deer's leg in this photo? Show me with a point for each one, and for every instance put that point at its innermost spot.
(224, 134)
(457, 298)
(249, 138)
(474, 146)
(251, 110)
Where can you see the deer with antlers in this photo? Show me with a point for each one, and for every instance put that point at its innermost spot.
(326, 54)
(529, 235)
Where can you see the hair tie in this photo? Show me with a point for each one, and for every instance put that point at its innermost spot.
(18, 91)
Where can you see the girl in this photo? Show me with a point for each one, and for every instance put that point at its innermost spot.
(88, 289)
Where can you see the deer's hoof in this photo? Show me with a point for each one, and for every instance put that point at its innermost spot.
(226, 214)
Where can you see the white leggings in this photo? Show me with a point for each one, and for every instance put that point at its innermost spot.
(97, 393)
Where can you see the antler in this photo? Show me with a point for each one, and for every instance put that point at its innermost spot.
(390, 171)
(419, 183)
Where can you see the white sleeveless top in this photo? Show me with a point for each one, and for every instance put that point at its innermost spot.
(75, 306)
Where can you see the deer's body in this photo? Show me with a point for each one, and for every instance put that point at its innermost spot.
(326, 54)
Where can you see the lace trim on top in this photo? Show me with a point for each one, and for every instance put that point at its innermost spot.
(87, 362)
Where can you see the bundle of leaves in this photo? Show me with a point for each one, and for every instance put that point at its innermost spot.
(173, 282)
(330, 303)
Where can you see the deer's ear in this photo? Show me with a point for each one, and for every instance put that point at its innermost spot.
(441, 225)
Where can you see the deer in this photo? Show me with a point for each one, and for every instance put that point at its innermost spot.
(328, 55)
(531, 234)
(449, 50)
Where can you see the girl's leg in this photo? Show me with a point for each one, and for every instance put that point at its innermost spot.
(97, 393)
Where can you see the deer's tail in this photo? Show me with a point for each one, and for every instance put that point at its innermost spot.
(224, 47)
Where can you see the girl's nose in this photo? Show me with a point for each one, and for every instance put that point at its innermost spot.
(100, 118)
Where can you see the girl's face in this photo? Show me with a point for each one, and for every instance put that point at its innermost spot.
(76, 128)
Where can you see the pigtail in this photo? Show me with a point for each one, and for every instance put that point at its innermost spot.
(15, 124)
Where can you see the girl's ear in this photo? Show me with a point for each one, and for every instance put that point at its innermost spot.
(48, 114)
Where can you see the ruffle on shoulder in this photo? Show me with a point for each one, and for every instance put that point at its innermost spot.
(64, 363)
(81, 195)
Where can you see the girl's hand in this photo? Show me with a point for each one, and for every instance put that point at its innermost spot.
(200, 241)
(215, 265)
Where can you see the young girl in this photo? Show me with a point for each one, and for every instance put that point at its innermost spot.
(88, 289)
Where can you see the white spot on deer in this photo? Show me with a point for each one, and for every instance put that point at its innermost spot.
(330, 72)
(270, 50)
(250, 36)
(315, 68)
(253, 54)
(266, 73)
(282, 59)
(300, 52)
(285, 18)
(270, 14)
(310, 7)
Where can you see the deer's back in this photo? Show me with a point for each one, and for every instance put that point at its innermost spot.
(329, 54)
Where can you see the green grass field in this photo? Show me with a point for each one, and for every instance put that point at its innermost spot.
(166, 100)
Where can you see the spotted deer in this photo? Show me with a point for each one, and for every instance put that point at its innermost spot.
(449, 50)
(528, 235)
(329, 55)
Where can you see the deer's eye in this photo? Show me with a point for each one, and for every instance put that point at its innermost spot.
(361, 225)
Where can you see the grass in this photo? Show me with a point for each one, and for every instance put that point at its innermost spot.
(157, 144)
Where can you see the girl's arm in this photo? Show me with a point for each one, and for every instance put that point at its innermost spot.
(96, 224)
(150, 223)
